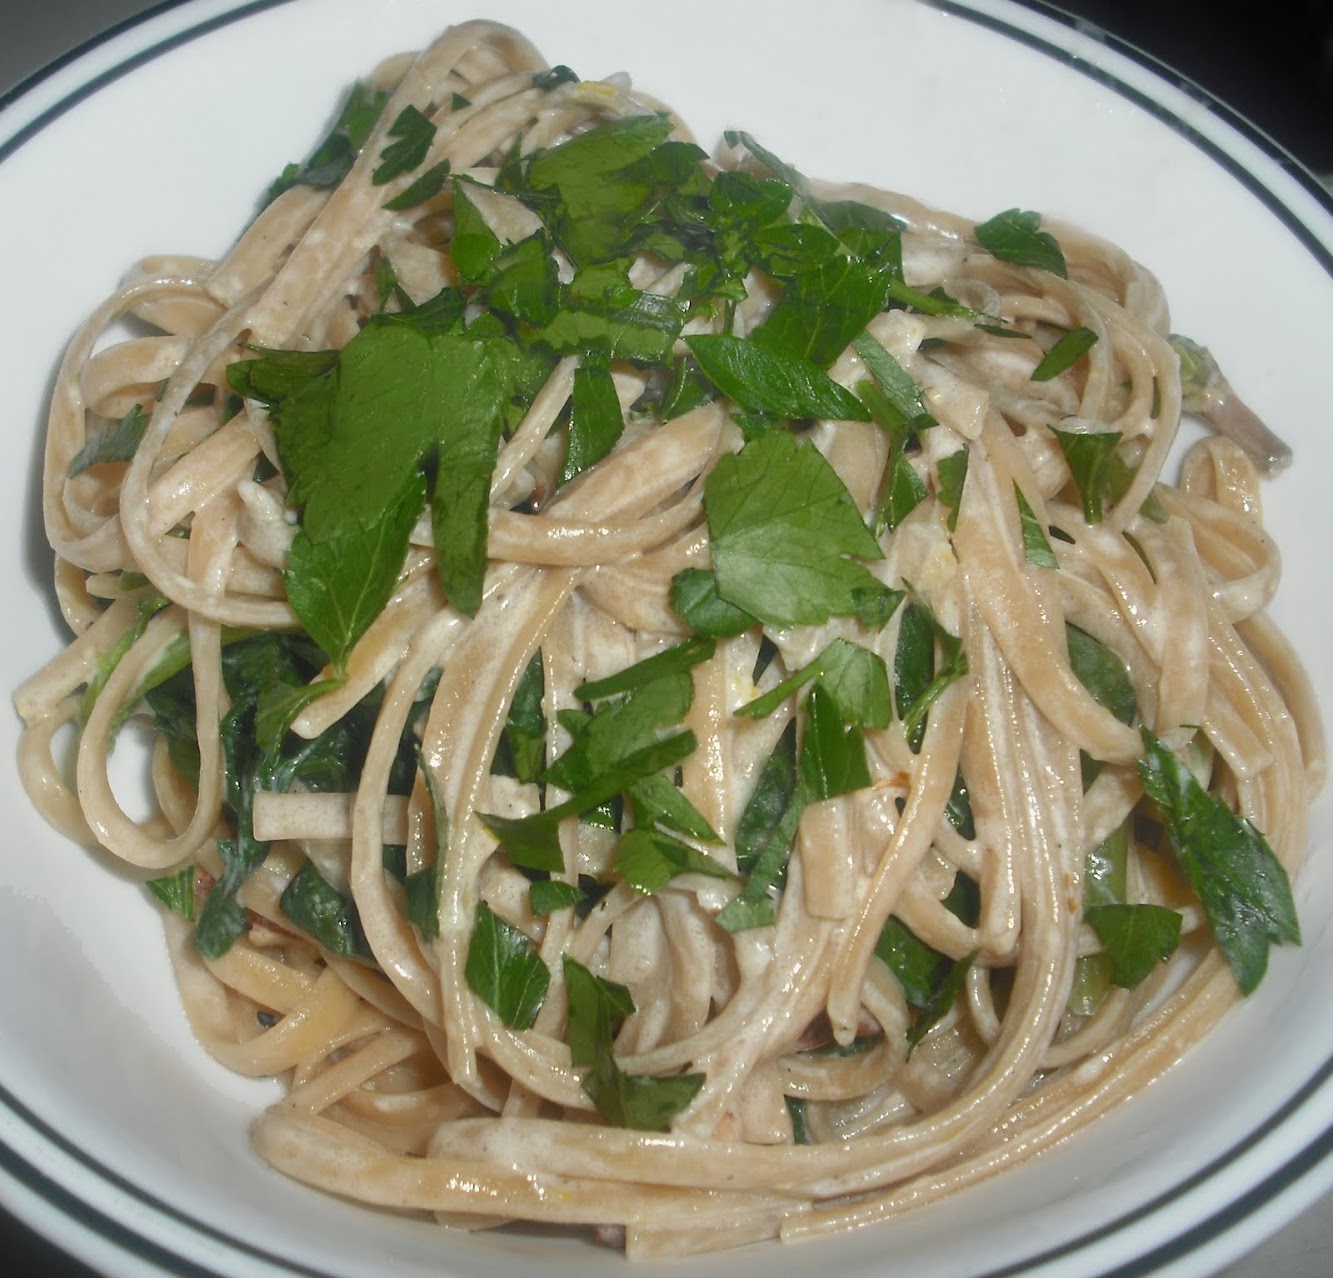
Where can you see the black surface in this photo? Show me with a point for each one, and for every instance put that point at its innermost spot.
(1271, 60)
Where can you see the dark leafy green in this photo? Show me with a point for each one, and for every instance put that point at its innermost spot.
(1015, 236)
(504, 970)
(312, 903)
(786, 536)
(1241, 884)
(1071, 347)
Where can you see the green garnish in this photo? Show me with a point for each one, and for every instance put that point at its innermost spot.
(1036, 548)
(1241, 884)
(413, 134)
(1088, 454)
(504, 970)
(312, 903)
(1015, 236)
(639, 1101)
(786, 536)
(1071, 347)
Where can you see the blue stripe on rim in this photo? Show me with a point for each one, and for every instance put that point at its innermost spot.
(1259, 1196)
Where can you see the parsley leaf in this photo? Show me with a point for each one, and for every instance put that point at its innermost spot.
(504, 971)
(176, 891)
(521, 750)
(898, 386)
(1089, 454)
(1241, 884)
(600, 311)
(313, 904)
(656, 801)
(952, 472)
(904, 490)
(1036, 549)
(474, 245)
(775, 382)
(649, 859)
(1103, 672)
(414, 134)
(640, 1101)
(595, 419)
(338, 585)
(1135, 938)
(676, 660)
(930, 980)
(1015, 236)
(353, 429)
(331, 160)
(546, 896)
(1068, 350)
(833, 753)
(613, 749)
(823, 309)
(113, 442)
(596, 1006)
(764, 835)
(855, 677)
(917, 683)
(426, 187)
(602, 199)
(695, 599)
(783, 527)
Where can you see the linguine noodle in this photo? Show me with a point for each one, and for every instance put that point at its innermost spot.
(826, 1088)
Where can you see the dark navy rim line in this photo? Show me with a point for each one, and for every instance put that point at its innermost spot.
(102, 1226)
(72, 99)
(1167, 74)
(119, 1235)
(1212, 1228)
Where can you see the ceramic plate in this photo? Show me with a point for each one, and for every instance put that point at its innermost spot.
(119, 1137)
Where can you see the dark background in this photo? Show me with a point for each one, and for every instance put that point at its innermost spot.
(1269, 60)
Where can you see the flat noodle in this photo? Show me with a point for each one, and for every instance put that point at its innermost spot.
(774, 1059)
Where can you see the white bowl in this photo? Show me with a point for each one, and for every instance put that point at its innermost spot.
(117, 1131)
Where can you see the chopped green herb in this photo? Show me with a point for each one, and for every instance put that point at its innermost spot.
(548, 896)
(414, 134)
(696, 600)
(426, 187)
(853, 676)
(952, 472)
(897, 384)
(332, 159)
(113, 442)
(1241, 884)
(783, 527)
(918, 682)
(1135, 938)
(639, 1101)
(1036, 549)
(521, 750)
(312, 903)
(176, 891)
(1015, 236)
(649, 859)
(930, 980)
(772, 381)
(1103, 673)
(504, 970)
(595, 420)
(677, 660)
(1088, 455)
(657, 802)
(1067, 351)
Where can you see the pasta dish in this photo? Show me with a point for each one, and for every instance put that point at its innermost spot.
(680, 699)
